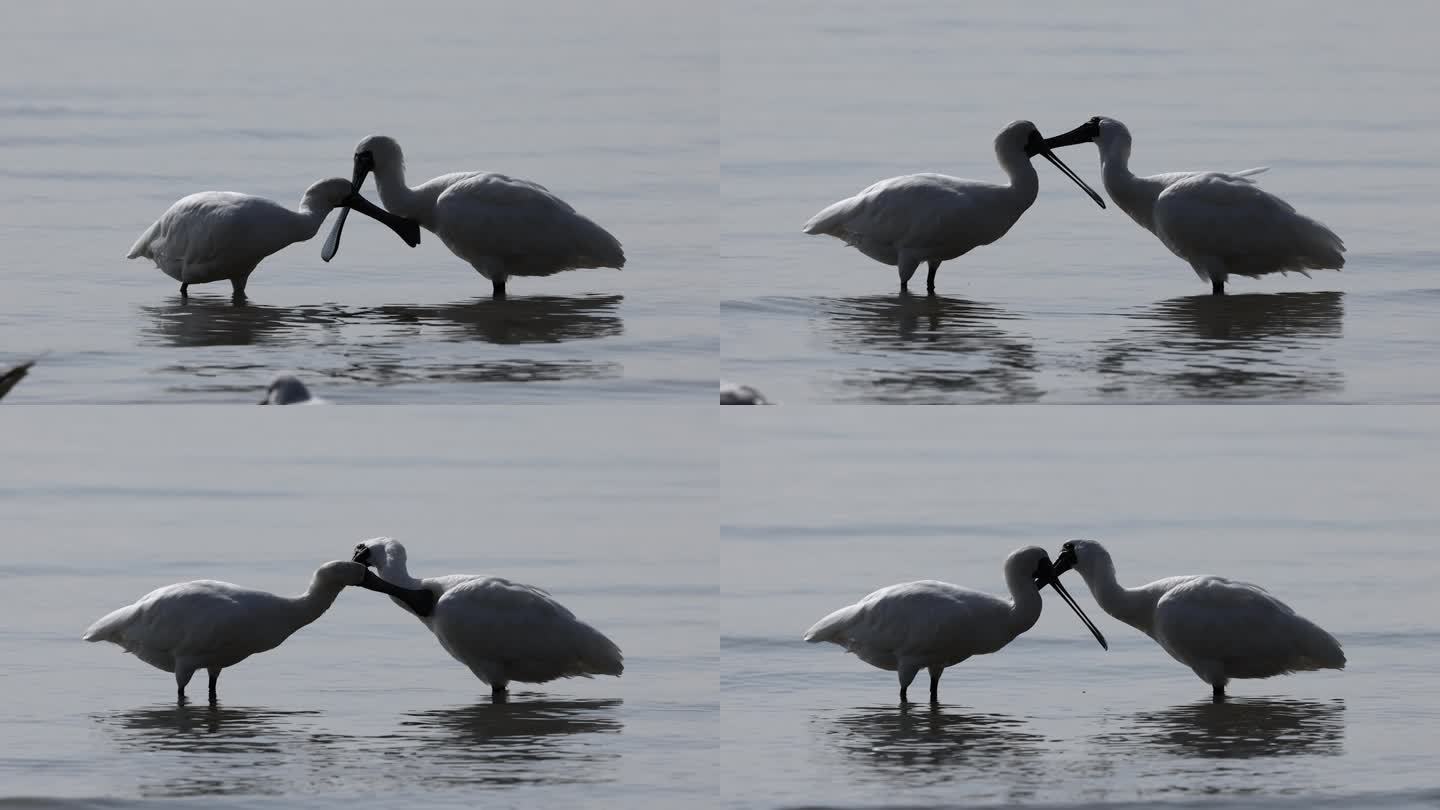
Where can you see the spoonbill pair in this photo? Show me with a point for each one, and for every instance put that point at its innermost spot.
(502, 631)
(217, 235)
(1220, 628)
(210, 625)
(932, 218)
(503, 226)
(933, 625)
(1222, 224)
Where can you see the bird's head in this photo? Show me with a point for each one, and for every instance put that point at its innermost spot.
(1032, 563)
(1085, 556)
(376, 153)
(1023, 138)
(339, 574)
(326, 194)
(1107, 133)
(286, 389)
(381, 553)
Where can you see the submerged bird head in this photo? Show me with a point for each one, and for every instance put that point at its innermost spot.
(286, 389)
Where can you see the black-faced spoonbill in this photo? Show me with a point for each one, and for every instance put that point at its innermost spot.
(1218, 627)
(10, 376)
(286, 389)
(503, 631)
(503, 226)
(214, 235)
(733, 394)
(933, 218)
(933, 625)
(1221, 223)
(211, 625)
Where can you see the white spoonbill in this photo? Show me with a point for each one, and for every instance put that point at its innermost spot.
(10, 376)
(503, 226)
(933, 218)
(733, 394)
(211, 625)
(503, 631)
(214, 235)
(286, 389)
(1221, 223)
(1218, 627)
(933, 625)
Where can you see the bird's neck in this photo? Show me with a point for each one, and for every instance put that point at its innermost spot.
(312, 604)
(1026, 604)
(1135, 195)
(1135, 607)
(309, 219)
(400, 199)
(1024, 182)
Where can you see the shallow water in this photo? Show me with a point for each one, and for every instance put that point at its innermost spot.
(109, 115)
(363, 705)
(1329, 512)
(1076, 304)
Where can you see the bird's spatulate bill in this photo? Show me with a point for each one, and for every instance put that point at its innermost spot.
(420, 600)
(1054, 582)
(1065, 170)
(332, 242)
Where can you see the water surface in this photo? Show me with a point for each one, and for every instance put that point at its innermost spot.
(1327, 509)
(1076, 304)
(362, 707)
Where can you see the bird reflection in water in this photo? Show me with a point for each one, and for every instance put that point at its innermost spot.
(1240, 346)
(931, 349)
(1238, 729)
(535, 319)
(215, 749)
(925, 744)
(523, 741)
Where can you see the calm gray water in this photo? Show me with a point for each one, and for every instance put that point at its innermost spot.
(361, 708)
(1330, 511)
(109, 114)
(1076, 304)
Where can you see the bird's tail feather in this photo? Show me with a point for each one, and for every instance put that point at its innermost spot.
(142, 245)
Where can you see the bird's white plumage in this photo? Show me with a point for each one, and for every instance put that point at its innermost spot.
(224, 235)
(503, 226)
(210, 625)
(931, 218)
(1221, 223)
(1220, 628)
(932, 625)
(501, 630)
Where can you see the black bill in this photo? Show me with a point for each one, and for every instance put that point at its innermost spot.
(1053, 580)
(419, 600)
(1039, 146)
(406, 229)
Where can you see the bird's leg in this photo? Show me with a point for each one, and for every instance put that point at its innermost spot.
(1217, 284)
(907, 674)
(497, 288)
(183, 673)
(908, 264)
(184, 290)
(498, 694)
(214, 679)
(1218, 692)
(935, 671)
(930, 279)
(237, 284)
